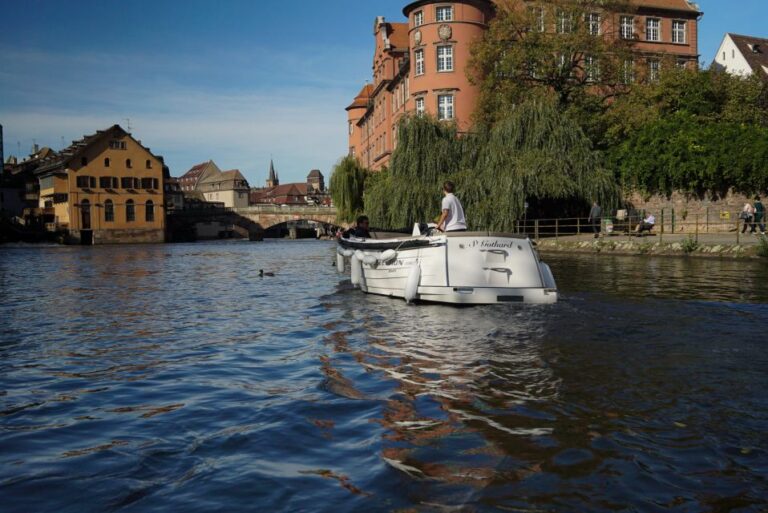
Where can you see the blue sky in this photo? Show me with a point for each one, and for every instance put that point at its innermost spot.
(236, 81)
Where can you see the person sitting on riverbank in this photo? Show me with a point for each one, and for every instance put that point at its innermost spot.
(361, 229)
(452, 217)
(646, 225)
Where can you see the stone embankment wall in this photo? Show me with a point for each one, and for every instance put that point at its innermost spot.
(710, 213)
(648, 247)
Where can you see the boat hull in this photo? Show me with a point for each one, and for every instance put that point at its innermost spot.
(466, 268)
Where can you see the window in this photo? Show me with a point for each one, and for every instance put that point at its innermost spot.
(420, 106)
(444, 58)
(682, 63)
(83, 161)
(105, 182)
(116, 145)
(146, 183)
(136, 183)
(109, 211)
(564, 22)
(654, 70)
(106, 162)
(419, 58)
(130, 211)
(653, 29)
(628, 72)
(444, 13)
(149, 164)
(351, 128)
(86, 182)
(445, 106)
(627, 27)
(149, 211)
(126, 182)
(128, 163)
(592, 68)
(418, 18)
(593, 23)
(678, 32)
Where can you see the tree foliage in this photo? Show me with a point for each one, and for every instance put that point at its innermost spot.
(346, 187)
(550, 50)
(682, 152)
(536, 153)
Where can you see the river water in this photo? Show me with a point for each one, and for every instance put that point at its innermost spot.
(171, 378)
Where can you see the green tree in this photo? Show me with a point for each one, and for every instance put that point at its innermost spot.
(346, 186)
(558, 49)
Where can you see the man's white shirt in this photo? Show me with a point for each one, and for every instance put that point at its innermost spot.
(455, 219)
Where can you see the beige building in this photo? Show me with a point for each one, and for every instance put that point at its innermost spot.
(105, 188)
(227, 187)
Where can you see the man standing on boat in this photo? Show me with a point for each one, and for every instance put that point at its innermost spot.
(452, 219)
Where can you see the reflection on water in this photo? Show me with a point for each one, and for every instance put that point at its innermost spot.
(171, 378)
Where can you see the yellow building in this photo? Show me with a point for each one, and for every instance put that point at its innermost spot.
(104, 189)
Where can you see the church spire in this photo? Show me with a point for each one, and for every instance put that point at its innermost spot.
(273, 180)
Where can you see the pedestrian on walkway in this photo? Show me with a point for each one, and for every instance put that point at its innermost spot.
(594, 218)
(747, 215)
(759, 221)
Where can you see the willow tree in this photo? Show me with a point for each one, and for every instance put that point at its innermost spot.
(427, 153)
(535, 153)
(561, 48)
(346, 187)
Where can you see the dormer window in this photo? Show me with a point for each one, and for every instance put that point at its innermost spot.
(444, 13)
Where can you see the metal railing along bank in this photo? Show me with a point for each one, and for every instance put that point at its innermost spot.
(727, 226)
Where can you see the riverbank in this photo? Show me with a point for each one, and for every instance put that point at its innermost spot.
(707, 245)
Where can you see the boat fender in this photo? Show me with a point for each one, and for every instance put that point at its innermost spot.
(388, 256)
(340, 263)
(348, 253)
(339, 250)
(370, 260)
(356, 271)
(412, 284)
(360, 255)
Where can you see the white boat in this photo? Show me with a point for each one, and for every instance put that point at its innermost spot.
(458, 267)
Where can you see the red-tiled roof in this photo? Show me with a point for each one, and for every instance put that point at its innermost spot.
(362, 98)
(195, 171)
(399, 36)
(674, 5)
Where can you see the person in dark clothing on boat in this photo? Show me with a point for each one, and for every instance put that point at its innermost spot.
(594, 218)
(361, 229)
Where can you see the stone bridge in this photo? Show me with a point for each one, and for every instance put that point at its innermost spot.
(249, 222)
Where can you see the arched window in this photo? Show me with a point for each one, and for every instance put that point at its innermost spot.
(130, 211)
(109, 211)
(149, 214)
(106, 162)
(128, 163)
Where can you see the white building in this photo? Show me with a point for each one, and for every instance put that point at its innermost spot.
(742, 55)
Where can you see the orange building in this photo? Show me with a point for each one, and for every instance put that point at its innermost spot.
(420, 66)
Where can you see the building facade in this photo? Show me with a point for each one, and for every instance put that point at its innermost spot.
(420, 66)
(105, 188)
(228, 187)
(742, 56)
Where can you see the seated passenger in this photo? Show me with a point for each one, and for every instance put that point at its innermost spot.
(360, 230)
(647, 224)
